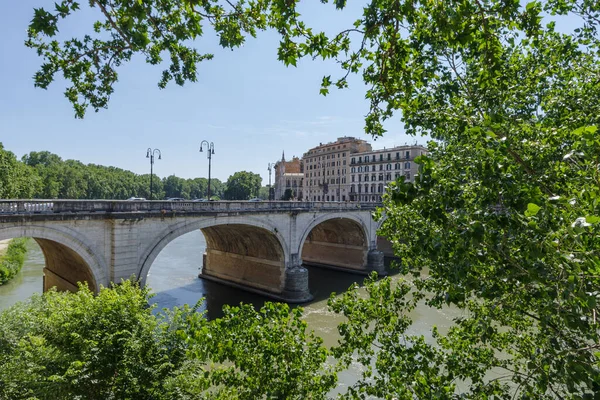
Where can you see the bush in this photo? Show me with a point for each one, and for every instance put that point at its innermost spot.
(62, 345)
(12, 262)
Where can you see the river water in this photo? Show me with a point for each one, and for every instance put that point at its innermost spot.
(174, 279)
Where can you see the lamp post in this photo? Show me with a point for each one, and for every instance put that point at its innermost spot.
(211, 150)
(270, 167)
(150, 155)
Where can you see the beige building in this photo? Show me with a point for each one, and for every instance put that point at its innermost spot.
(289, 176)
(326, 169)
(371, 171)
(345, 170)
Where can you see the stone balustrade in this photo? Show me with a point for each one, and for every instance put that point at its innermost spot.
(125, 206)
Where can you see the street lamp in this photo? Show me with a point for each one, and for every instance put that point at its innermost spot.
(211, 150)
(150, 155)
(270, 166)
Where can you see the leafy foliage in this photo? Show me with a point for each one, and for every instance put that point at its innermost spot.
(16, 180)
(242, 186)
(78, 345)
(46, 175)
(12, 260)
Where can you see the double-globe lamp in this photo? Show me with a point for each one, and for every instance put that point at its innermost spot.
(150, 154)
(211, 150)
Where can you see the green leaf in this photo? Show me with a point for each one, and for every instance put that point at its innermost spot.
(592, 219)
(532, 210)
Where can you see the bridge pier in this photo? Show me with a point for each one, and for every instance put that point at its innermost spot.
(296, 289)
(249, 274)
(375, 262)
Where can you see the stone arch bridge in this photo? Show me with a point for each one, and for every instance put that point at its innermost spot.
(257, 246)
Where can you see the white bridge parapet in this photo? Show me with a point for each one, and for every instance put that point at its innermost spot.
(70, 206)
(259, 246)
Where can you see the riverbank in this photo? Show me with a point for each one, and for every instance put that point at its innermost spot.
(12, 257)
(4, 246)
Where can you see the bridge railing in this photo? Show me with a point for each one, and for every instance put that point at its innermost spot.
(123, 206)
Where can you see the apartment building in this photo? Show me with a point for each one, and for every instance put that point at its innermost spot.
(326, 169)
(371, 171)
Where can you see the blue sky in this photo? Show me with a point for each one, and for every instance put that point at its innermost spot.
(249, 104)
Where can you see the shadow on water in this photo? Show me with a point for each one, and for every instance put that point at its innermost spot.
(322, 282)
(173, 278)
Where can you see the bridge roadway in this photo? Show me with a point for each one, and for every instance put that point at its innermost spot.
(257, 246)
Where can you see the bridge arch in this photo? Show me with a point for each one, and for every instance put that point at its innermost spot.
(68, 259)
(334, 240)
(248, 251)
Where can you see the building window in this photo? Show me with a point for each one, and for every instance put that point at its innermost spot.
(352, 178)
(407, 155)
(360, 178)
(381, 157)
(359, 160)
(389, 156)
(381, 167)
(397, 156)
(373, 168)
(406, 165)
(388, 167)
(366, 178)
(380, 177)
(353, 161)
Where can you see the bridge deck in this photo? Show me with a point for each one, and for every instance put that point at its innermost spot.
(36, 206)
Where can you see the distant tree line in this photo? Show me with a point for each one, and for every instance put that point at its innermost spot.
(45, 175)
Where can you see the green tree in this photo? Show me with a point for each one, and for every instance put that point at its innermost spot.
(263, 193)
(176, 187)
(217, 189)
(16, 179)
(242, 186)
(287, 195)
(12, 260)
(198, 188)
(112, 345)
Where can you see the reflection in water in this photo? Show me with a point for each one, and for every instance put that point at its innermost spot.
(173, 277)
